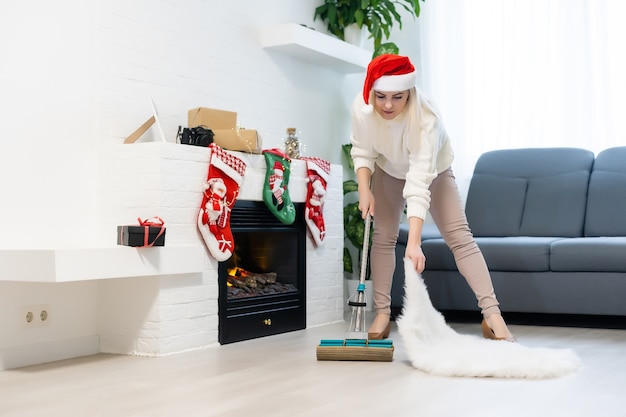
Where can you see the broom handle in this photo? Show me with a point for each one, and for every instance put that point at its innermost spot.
(364, 256)
(366, 247)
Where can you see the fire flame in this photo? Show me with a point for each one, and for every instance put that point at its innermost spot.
(237, 273)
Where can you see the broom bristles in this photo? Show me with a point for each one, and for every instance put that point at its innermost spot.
(354, 353)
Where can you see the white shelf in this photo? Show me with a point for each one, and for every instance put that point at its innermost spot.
(66, 265)
(315, 47)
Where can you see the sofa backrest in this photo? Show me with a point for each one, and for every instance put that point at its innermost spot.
(606, 201)
(529, 192)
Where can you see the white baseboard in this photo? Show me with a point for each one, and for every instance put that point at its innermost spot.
(19, 356)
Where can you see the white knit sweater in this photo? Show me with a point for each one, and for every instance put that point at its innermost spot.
(414, 147)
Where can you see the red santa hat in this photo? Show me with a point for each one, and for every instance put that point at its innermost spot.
(278, 168)
(388, 72)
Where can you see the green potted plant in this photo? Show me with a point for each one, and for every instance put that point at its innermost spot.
(378, 16)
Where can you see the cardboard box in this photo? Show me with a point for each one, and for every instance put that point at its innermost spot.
(141, 236)
(212, 118)
(245, 140)
(223, 123)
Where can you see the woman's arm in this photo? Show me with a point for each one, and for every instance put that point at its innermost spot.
(414, 244)
(366, 197)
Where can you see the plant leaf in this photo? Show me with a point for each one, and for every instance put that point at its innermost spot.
(386, 48)
(355, 231)
(347, 148)
(350, 186)
(359, 16)
(347, 260)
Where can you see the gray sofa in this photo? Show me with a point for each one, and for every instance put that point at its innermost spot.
(551, 223)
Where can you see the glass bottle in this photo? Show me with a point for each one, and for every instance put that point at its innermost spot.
(292, 144)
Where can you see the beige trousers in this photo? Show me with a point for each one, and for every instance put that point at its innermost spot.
(446, 209)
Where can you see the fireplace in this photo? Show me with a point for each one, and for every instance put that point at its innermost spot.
(262, 287)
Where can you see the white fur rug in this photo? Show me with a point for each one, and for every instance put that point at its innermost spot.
(434, 347)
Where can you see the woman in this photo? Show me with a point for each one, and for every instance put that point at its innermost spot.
(401, 155)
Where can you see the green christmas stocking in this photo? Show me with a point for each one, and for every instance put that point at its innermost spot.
(275, 192)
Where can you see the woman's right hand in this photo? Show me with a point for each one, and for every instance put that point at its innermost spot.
(366, 203)
(416, 256)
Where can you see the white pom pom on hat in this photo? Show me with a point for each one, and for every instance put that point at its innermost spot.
(387, 72)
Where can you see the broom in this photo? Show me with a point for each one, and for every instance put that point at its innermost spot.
(356, 346)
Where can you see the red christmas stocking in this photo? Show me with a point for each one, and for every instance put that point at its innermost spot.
(220, 193)
(318, 171)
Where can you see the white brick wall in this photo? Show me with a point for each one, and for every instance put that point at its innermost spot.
(179, 312)
(77, 86)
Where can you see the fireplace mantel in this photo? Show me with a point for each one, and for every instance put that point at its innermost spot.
(106, 261)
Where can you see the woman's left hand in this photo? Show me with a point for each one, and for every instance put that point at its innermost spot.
(416, 256)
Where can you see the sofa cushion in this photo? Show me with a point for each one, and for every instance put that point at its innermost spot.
(606, 201)
(592, 254)
(501, 253)
(488, 192)
(529, 192)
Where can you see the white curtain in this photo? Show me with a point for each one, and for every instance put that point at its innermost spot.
(525, 73)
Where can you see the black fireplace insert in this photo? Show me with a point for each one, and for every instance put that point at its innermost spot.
(262, 287)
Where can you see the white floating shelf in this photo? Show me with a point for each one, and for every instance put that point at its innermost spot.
(66, 265)
(315, 47)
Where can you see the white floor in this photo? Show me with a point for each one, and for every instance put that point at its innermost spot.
(280, 376)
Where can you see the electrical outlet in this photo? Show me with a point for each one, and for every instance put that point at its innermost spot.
(35, 316)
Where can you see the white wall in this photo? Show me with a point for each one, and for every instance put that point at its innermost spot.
(77, 76)
(72, 82)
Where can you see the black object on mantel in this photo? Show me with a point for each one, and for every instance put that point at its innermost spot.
(146, 234)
